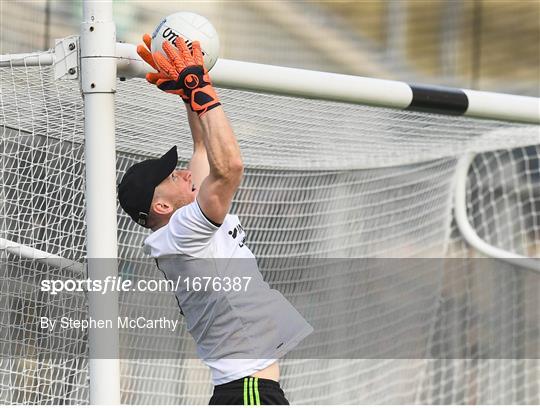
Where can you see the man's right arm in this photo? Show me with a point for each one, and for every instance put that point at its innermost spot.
(226, 167)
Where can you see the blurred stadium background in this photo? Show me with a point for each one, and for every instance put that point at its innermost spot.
(488, 45)
(477, 44)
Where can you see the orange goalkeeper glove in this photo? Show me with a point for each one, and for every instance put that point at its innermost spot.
(144, 52)
(189, 77)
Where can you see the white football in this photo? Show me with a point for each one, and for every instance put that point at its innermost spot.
(191, 27)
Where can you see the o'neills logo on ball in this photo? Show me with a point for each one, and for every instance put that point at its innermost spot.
(191, 81)
(169, 35)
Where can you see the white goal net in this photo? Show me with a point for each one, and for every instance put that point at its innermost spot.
(323, 181)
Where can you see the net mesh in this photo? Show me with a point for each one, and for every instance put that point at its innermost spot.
(322, 179)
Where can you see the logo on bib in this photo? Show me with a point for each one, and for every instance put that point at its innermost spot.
(236, 232)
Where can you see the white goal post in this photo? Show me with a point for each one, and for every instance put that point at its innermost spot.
(98, 85)
(467, 230)
(418, 145)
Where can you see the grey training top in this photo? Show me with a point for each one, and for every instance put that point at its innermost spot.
(239, 323)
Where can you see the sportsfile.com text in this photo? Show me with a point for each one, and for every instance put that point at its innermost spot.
(118, 284)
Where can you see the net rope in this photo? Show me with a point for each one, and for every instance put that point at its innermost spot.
(322, 180)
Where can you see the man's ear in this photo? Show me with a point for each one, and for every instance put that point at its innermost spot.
(161, 207)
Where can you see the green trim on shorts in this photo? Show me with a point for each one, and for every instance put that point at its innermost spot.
(251, 391)
(251, 400)
(245, 391)
(257, 400)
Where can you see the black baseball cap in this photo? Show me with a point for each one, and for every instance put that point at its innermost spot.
(136, 190)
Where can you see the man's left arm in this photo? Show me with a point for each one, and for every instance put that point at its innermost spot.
(198, 164)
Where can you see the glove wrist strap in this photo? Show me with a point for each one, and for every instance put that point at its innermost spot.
(198, 89)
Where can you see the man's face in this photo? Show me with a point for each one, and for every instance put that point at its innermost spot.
(177, 189)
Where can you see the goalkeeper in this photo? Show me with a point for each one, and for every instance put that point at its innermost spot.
(240, 334)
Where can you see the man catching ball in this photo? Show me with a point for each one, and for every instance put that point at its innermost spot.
(240, 334)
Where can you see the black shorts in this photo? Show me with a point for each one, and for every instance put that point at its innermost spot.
(249, 391)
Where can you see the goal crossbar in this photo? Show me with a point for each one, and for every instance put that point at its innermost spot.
(330, 86)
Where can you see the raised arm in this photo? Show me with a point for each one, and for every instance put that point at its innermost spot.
(198, 165)
(226, 167)
(223, 163)
(183, 73)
